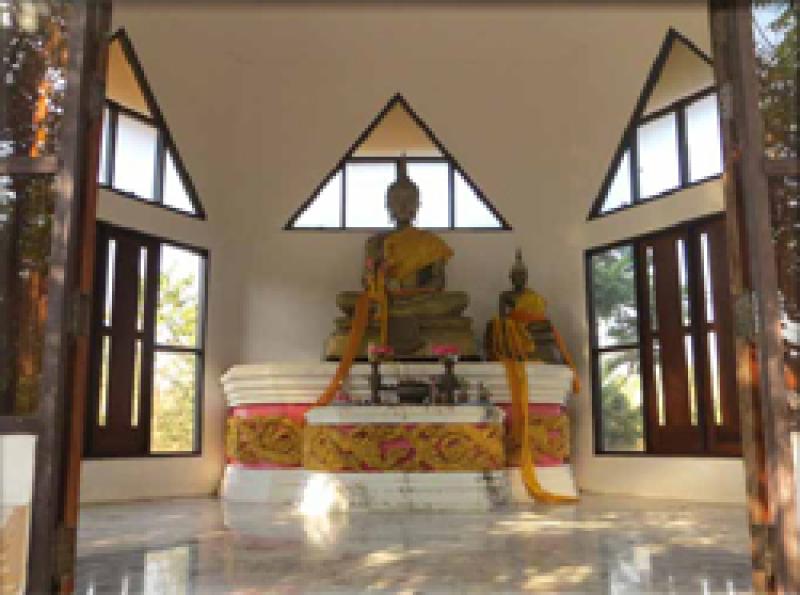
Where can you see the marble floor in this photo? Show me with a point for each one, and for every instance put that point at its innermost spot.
(603, 545)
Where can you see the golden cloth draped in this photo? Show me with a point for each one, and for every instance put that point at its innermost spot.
(512, 345)
(360, 321)
(405, 253)
(410, 250)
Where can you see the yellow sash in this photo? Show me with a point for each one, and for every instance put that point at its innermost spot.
(512, 348)
(408, 251)
(360, 320)
(517, 377)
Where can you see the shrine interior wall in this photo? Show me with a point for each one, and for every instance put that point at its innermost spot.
(263, 102)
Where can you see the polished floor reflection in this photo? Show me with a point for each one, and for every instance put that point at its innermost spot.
(603, 545)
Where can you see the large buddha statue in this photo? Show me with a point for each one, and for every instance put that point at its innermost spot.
(411, 265)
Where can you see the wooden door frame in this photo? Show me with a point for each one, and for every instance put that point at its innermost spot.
(96, 41)
(764, 401)
(49, 423)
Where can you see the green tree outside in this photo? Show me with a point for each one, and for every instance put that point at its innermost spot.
(174, 378)
(614, 301)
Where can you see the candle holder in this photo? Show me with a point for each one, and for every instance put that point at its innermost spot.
(448, 383)
(377, 354)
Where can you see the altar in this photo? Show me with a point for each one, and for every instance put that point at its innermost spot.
(406, 431)
(283, 451)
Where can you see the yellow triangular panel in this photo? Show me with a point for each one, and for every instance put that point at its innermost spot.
(397, 134)
(684, 73)
(121, 83)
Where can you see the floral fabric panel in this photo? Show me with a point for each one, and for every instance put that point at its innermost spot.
(405, 447)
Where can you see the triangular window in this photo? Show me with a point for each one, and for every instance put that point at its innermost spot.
(673, 139)
(353, 195)
(138, 156)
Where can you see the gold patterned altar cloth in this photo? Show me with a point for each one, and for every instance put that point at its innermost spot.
(273, 437)
(404, 447)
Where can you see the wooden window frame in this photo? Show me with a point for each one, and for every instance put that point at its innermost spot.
(446, 157)
(93, 450)
(165, 143)
(710, 444)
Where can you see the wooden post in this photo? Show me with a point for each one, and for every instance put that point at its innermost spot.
(91, 122)
(763, 396)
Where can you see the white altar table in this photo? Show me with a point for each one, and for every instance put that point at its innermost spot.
(280, 450)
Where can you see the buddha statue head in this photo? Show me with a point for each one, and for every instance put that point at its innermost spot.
(402, 198)
(519, 272)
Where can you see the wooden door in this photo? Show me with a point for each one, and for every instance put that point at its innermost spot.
(669, 350)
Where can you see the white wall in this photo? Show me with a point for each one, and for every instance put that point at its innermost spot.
(126, 479)
(532, 100)
(17, 457)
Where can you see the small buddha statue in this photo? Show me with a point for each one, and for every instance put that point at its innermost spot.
(412, 262)
(519, 296)
(522, 312)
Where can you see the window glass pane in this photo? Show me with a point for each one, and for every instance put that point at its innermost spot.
(175, 194)
(111, 262)
(102, 171)
(105, 359)
(8, 263)
(366, 186)
(688, 349)
(619, 193)
(137, 384)
(658, 156)
(140, 297)
(135, 158)
(174, 396)
(683, 276)
(795, 441)
(614, 297)
(784, 195)
(776, 42)
(713, 358)
(621, 401)
(326, 208)
(658, 380)
(34, 40)
(470, 210)
(26, 219)
(434, 191)
(707, 282)
(651, 288)
(178, 297)
(703, 138)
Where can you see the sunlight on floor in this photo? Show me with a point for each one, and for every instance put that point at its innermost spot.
(603, 545)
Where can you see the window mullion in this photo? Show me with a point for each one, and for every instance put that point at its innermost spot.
(633, 145)
(111, 149)
(683, 145)
(451, 196)
(148, 340)
(160, 164)
(694, 276)
(343, 181)
(645, 341)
